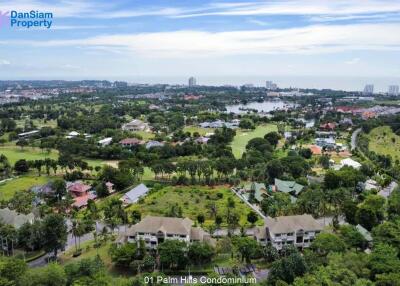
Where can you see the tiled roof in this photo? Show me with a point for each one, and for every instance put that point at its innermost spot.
(287, 224)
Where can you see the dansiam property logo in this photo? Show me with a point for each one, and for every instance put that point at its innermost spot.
(26, 20)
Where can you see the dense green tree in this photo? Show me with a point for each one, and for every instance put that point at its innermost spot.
(326, 243)
(50, 275)
(173, 254)
(384, 260)
(352, 237)
(123, 255)
(371, 212)
(200, 253)
(21, 166)
(54, 233)
(273, 138)
(247, 247)
(388, 232)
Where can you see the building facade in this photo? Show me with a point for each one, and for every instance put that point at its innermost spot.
(297, 230)
(192, 81)
(154, 230)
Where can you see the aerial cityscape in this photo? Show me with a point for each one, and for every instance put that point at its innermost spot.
(199, 143)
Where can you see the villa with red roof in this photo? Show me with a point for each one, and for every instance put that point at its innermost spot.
(81, 193)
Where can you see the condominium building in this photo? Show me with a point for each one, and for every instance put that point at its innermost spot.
(297, 230)
(270, 85)
(154, 230)
(393, 90)
(368, 89)
(192, 81)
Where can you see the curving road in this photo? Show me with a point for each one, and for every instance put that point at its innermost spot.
(354, 138)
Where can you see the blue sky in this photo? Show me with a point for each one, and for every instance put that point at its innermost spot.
(336, 44)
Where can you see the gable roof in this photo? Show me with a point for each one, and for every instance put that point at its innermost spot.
(365, 233)
(78, 187)
(288, 187)
(171, 225)
(11, 217)
(287, 224)
(134, 194)
(351, 163)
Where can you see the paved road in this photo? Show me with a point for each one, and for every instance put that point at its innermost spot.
(42, 261)
(354, 138)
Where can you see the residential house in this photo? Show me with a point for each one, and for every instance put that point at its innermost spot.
(350, 163)
(41, 192)
(72, 134)
(135, 194)
(289, 187)
(154, 230)
(387, 191)
(105, 142)
(346, 122)
(81, 193)
(130, 142)
(28, 134)
(202, 140)
(136, 125)
(153, 143)
(328, 126)
(371, 185)
(297, 230)
(325, 134)
(14, 218)
(366, 234)
(326, 143)
(110, 187)
(315, 150)
(259, 190)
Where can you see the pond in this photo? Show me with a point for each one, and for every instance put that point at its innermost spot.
(264, 107)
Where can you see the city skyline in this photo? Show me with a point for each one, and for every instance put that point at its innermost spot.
(316, 44)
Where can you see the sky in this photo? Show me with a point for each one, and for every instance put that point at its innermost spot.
(340, 44)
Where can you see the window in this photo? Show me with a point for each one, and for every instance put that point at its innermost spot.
(277, 235)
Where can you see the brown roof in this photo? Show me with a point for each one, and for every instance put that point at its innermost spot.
(287, 224)
(78, 187)
(154, 224)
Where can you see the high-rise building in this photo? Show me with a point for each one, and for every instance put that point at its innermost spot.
(192, 81)
(368, 89)
(270, 85)
(393, 90)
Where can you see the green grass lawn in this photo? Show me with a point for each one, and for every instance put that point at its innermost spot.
(8, 188)
(15, 153)
(201, 131)
(383, 141)
(243, 136)
(39, 123)
(193, 200)
(145, 135)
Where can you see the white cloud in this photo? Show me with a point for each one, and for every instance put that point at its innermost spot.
(353, 61)
(193, 44)
(319, 10)
(4, 62)
(303, 7)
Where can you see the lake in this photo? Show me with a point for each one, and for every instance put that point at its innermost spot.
(265, 106)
